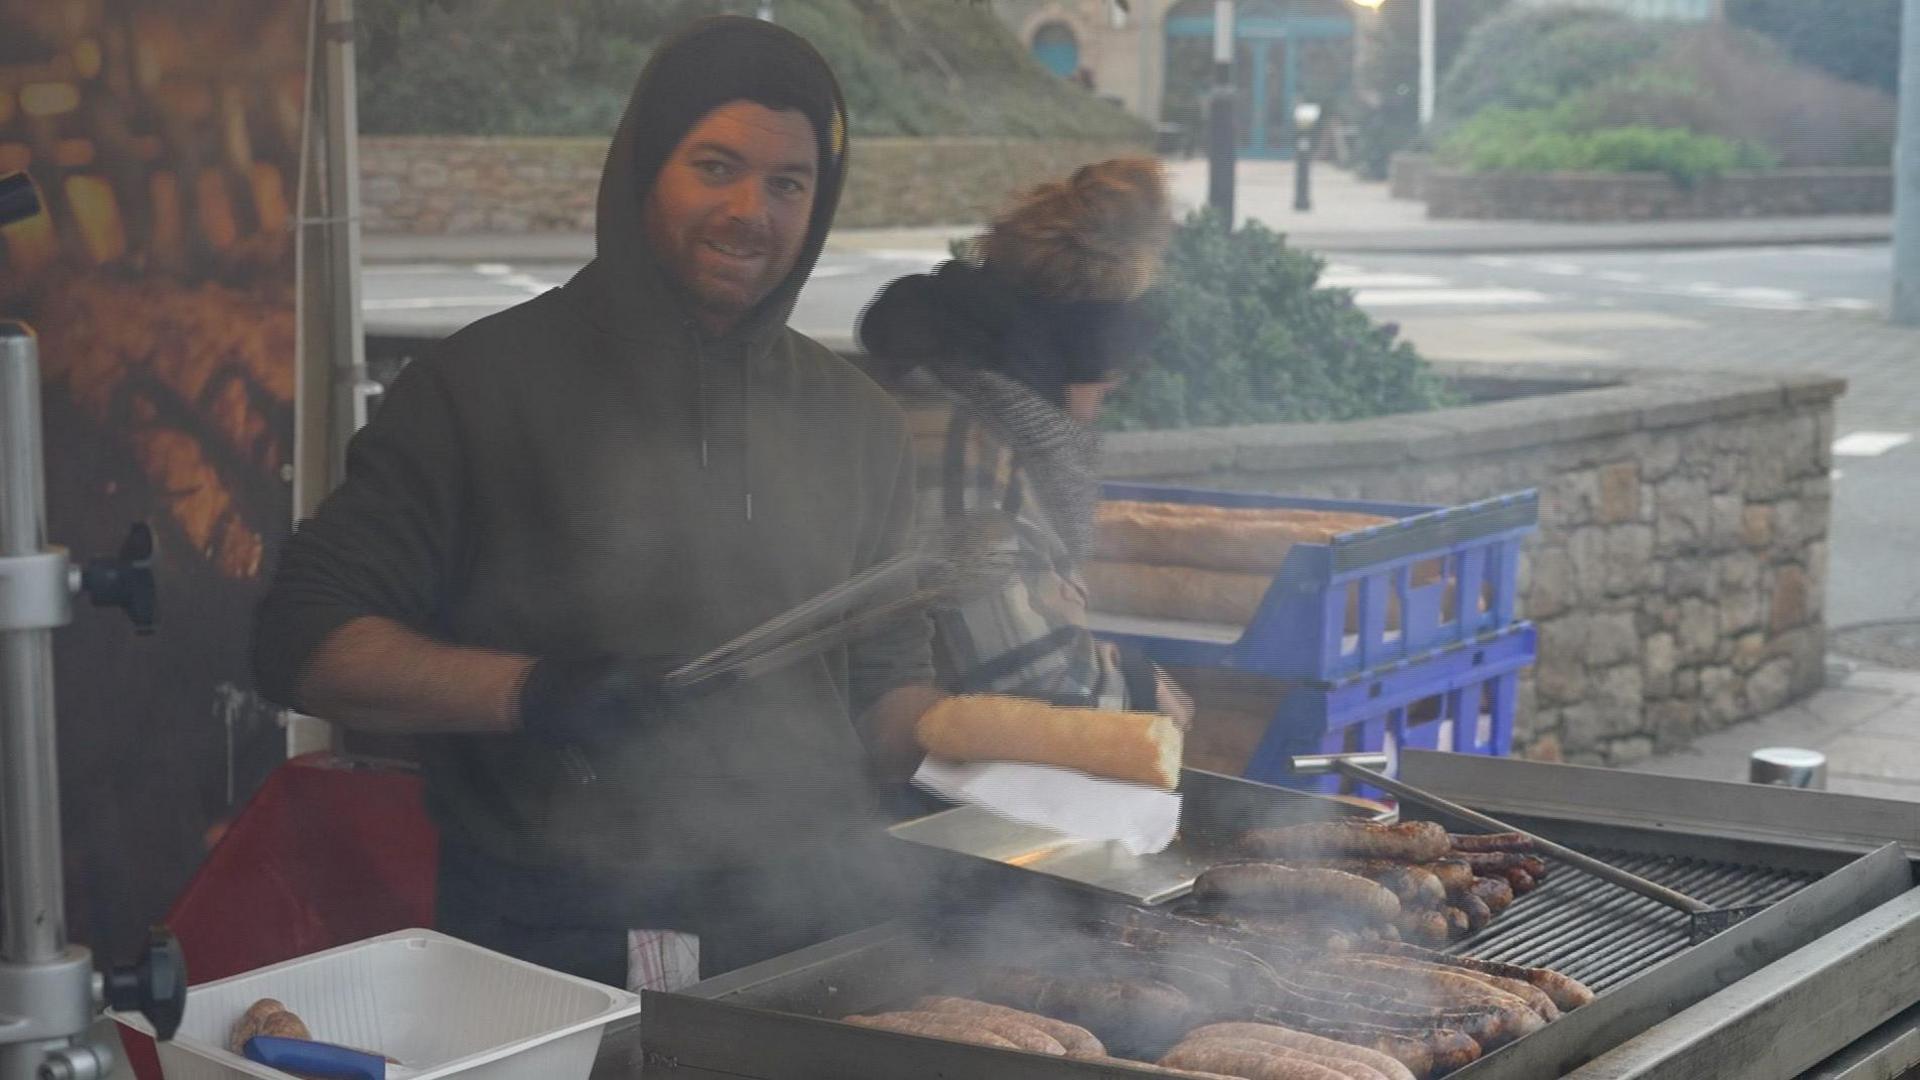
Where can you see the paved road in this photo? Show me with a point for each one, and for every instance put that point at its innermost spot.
(1806, 308)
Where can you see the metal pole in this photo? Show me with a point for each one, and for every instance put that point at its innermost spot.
(1906, 175)
(1222, 142)
(1427, 62)
(352, 387)
(34, 908)
(1302, 164)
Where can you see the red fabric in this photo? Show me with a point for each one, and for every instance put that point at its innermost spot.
(329, 851)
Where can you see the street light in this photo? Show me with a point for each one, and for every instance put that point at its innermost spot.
(1221, 137)
(1306, 118)
(1426, 55)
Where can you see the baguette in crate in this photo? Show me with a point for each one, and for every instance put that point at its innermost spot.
(1318, 624)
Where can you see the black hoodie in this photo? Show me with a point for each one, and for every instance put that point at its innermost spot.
(589, 473)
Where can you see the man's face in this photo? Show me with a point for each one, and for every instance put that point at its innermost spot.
(728, 213)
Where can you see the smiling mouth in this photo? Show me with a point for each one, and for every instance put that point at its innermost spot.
(732, 252)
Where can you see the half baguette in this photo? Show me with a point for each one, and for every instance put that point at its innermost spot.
(1138, 747)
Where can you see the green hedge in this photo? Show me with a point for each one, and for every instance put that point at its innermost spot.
(1249, 336)
(1545, 140)
(1535, 58)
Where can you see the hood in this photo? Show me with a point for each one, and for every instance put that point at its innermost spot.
(715, 60)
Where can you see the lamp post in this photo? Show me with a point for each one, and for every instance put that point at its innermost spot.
(1428, 48)
(1306, 121)
(1221, 138)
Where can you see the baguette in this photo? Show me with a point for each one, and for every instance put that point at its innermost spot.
(1143, 748)
(1174, 592)
(1216, 542)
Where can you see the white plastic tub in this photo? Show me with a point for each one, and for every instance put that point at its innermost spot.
(438, 1005)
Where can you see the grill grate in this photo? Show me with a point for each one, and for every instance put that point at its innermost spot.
(1602, 934)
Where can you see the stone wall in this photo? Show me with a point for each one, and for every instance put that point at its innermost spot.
(1678, 577)
(1407, 175)
(447, 184)
(1452, 193)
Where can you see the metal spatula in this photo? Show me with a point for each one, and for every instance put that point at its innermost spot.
(1704, 920)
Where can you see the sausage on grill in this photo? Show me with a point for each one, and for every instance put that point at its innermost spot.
(1415, 886)
(1074, 1040)
(1495, 892)
(1382, 1063)
(1477, 911)
(935, 1025)
(1498, 862)
(1522, 882)
(1537, 999)
(1410, 841)
(1567, 992)
(1250, 1064)
(1456, 875)
(1424, 1051)
(1426, 927)
(1271, 886)
(1505, 841)
(1344, 1066)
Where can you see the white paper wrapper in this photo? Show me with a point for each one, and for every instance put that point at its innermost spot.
(1142, 819)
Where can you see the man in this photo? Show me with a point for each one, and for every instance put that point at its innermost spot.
(572, 496)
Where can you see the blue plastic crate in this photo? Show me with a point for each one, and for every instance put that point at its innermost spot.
(1302, 630)
(1459, 699)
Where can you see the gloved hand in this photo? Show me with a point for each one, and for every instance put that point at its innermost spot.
(582, 702)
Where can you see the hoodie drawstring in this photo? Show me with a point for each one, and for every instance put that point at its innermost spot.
(704, 421)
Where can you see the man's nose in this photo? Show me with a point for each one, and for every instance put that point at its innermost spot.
(747, 201)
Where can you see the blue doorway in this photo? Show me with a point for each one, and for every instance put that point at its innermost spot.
(1057, 49)
(1282, 55)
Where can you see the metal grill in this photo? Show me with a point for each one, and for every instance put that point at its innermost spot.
(1602, 934)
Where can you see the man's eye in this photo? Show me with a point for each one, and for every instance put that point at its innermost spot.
(711, 168)
(787, 185)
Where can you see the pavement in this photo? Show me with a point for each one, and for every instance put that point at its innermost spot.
(1348, 215)
(1866, 721)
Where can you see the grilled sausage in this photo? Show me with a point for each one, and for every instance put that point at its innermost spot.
(1118, 1011)
(1382, 1063)
(933, 1025)
(1410, 841)
(1495, 892)
(1075, 1040)
(1269, 886)
(1537, 999)
(1458, 925)
(1345, 999)
(1159, 1070)
(1506, 841)
(1499, 862)
(1567, 992)
(1303, 931)
(1014, 1025)
(1425, 1052)
(1456, 875)
(1477, 912)
(1249, 1064)
(1347, 1067)
(1435, 983)
(1426, 927)
(1522, 882)
(1415, 886)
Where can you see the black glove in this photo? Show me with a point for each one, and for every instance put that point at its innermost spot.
(582, 702)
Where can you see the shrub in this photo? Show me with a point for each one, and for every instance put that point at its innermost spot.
(1552, 140)
(1248, 336)
(1535, 58)
(1856, 40)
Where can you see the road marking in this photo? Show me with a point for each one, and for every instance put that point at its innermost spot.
(1621, 277)
(1869, 443)
(1353, 277)
(1848, 303)
(1447, 297)
(1497, 261)
(492, 269)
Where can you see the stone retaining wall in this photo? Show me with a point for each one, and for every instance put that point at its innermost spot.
(1407, 174)
(1452, 193)
(444, 184)
(1678, 577)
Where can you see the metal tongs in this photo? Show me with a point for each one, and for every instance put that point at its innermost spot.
(1704, 920)
(939, 569)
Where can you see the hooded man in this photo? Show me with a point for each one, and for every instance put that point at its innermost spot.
(580, 492)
